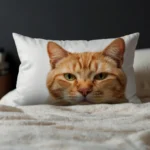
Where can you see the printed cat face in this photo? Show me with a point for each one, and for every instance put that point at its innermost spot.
(86, 78)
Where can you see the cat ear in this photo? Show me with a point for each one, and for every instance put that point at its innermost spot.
(115, 51)
(56, 53)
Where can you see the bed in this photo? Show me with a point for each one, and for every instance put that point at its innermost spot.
(117, 126)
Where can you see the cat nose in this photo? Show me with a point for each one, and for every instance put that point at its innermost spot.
(85, 91)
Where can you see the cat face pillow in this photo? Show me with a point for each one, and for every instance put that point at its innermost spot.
(74, 72)
(88, 77)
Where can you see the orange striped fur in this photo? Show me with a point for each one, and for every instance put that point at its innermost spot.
(85, 89)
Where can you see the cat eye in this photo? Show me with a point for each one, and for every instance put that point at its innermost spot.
(69, 76)
(100, 76)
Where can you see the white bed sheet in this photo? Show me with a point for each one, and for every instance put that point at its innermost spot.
(94, 127)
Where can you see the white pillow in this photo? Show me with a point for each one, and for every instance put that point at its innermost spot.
(142, 72)
(31, 83)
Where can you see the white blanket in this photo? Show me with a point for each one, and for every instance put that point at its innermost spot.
(94, 127)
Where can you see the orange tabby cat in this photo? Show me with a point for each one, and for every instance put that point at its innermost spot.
(86, 78)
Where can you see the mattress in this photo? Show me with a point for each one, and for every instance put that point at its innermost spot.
(97, 127)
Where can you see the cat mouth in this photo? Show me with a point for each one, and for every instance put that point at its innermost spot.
(86, 101)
